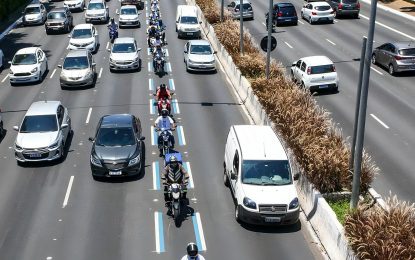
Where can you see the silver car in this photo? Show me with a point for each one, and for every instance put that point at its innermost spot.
(78, 69)
(125, 55)
(44, 132)
(128, 16)
(247, 11)
(396, 56)
(34, 14)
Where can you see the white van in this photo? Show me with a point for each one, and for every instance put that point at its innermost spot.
(187, 24)
(257, 170)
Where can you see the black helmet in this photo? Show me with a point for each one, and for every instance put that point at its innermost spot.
(192, 250)
(157, 37)
(164, 113)
(163, 85)
(112, 20)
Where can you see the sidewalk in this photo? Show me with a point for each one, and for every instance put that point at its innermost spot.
(404, 6)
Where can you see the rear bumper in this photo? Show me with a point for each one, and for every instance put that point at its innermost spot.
(347, 12)
(286, 20)
(322, 18)
(186, 34)
(323, 86)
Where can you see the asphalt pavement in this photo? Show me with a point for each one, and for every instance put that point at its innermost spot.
(57, 211)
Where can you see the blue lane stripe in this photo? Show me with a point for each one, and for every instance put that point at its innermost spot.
(155, 137)
(148, 51)
(152, 84)
(171, 84)
(175, 110)
(179, 134)
(161, 231)
(150, 67)
(168, 67)
(197, 234)
(189, 185)
(153, 108)
(157, 175)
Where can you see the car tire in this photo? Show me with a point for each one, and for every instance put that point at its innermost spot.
(237, 214)
(292, 77)
(335, 14)
(139, 65)
(225, 178)
(374, 59)
(302, 85)
(47, 32)
(1, 129)
(310, 21)
(391, 69)
(356, 16)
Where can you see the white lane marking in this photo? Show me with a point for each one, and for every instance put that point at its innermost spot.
(167, 52)
(300, 22)
(151, 103)
(88, 116)
(155, 174)
(288, 45)
(108, 44)
(5, 78)
(68, 192)
(264, 24)
(150, 84)
(53, 73)
(152, 136)
(158, 228)
(182, 139)
(390, 28)
(377, 71)
(171, 83)
(379, 121)
(200, 236)
(100, 73)
(176, 108)
(149, 66)
(168, 67)
(116, 10)
(330, 42)
(189, 171)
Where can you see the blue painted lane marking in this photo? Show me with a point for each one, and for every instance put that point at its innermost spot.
(199, 235)
(171, 84)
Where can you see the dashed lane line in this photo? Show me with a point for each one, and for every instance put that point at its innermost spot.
(390, 28)
(330, 42)
(175, 105)
(100, 73)
(68, 192)
(288, 45)
(156, 176)
(53, 73)
(171, 84)
(5, 78)
(191, 184)
(88, 115)
(180, 133)
(158, 228)
(377, 71)
(379, 121)
(199, 234)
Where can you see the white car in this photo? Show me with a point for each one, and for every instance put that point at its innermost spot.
(125, 55)
(34, 14)
(28, 65)
(128, 16)
(74, 4)
(97, 11)
(44, 132)
(1, 59)
(84, 36)
(199, 56)
(317, 11)
(315, 73)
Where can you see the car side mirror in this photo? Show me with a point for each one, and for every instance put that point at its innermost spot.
(200, 22)
(177, 21)
(10, 62)
(69, 36)
(64, 126)
(233, 175)
(91, 139)
(117, 12)
(296, 176)
(294, 64)
(108, 49)
(16, 128)
(60, 66)
(215, 52)
(84, 8)
(142, 138)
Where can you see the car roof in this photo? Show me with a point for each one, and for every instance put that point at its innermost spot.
(117, 120)
(83, 26)
(77, 53)
(43, 108)
(124, 40)
(28, 50)
(284, 4)
(320, 3)
(33, 5)
(316, 60)
(58, 9)
(199, 42)
(259, 142)
(404, 44)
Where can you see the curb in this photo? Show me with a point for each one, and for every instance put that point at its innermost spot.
(390, 10)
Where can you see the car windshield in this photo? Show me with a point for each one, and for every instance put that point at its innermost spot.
(123, 48)
(322, 8)
(407, 52)
(322, 69)
(200, 49)
(56, 15)
(264, 172)
(32, 10)
(38, 124)
(24, 59)
(349, 1)
(75, 63)
(128, 11)
(116, 136)
(188, 19)
(81, 33)
(95, 6)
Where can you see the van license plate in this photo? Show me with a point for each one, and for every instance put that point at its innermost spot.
(115, 173)
(272, 219)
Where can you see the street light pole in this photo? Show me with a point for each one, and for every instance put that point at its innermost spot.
(270, 16)
(363, 106)
(221, 10)
(241, 30)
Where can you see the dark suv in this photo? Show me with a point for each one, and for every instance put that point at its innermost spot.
(345, 8)
(59, 19)
(118, 147)
(283, 13)
(138, 3)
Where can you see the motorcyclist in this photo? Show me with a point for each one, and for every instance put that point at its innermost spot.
(174, 172)
(163, 93)
(192, 253)
(164, 122)
(113, 26)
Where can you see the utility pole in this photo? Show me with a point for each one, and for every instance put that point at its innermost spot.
(363, 107)
(241, 30)
(270, 16)
(221, 10)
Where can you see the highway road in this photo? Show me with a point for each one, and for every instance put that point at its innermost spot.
(391, 110)
(57, 211)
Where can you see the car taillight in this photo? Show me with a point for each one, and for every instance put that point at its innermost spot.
(397, 57)
(309, 71)
(313, 13)
(279, 14)
(358, 5)
(340, 6)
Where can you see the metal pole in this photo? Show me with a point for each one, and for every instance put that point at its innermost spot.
(221, 10)
(358, 94)
(241, 30)
(270, 16)
(363, 106)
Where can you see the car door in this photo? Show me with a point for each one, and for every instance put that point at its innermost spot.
(43, 11)
(296, 69)
(235, 170)
(40, 61)
(95, 33)
(390, 54)
(301, 72)
(186, 51)
(62, 120)
(380, 56)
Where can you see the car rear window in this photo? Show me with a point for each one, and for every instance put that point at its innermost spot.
(288, 10)
(350, 1)
(407, 52)
(245, 6)
(322, 69)
(322, 8)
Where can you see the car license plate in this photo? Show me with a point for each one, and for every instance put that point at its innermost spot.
(35, 155)
(324, 86)
(128, 23)
(272, 219)
(287, 20)
(189, 33)
(116, 173)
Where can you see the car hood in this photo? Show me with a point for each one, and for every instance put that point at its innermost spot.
(55, 21)
(95, 11)
(81, 40)
(32, 16)
(71, 2)
(36, 140)
(201, 58)
(115, 153)
(75, 73)
(282, 194)
(23, 68)
(123, 56)
(128, 17)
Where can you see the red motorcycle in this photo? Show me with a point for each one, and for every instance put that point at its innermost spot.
(164, 103)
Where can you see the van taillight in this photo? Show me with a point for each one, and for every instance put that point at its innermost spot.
(309, 70)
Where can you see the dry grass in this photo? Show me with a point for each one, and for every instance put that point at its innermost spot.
(376, 234)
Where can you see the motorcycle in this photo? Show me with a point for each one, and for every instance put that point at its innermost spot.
(113, 33)
(166, 146)
(175, 195)
(159, 65)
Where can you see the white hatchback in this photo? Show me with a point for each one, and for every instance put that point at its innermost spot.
(125, 54)
(128, 16)
(315, 73)
(84, 36)
(199, 56)
(28, 65)
(317, 11)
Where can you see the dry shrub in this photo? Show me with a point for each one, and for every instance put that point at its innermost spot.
(211, 11)
(377, 234)
(228, 34)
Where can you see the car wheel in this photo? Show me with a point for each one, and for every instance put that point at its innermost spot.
(335, 14)
(356, 16)
(310, 21)
(374, 59)
(391, 69)
(237, 214)
(139, 65)
(225, 178)
(47, 32)
(302, 15)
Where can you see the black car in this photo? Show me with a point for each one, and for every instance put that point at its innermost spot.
(345, 8)
(118, 147)
(59, 19)
(283, 13)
